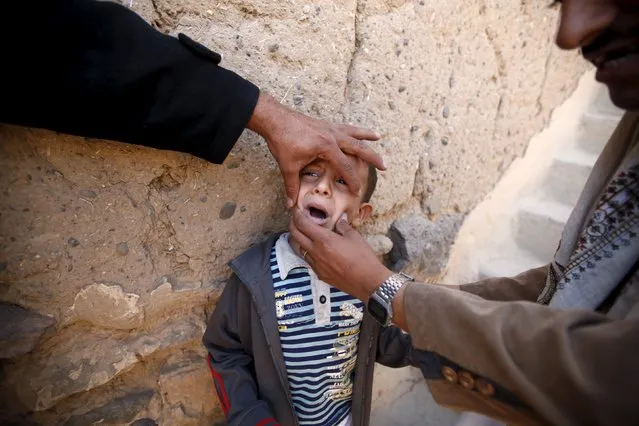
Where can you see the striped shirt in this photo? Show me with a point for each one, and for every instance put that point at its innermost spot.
(319, 331)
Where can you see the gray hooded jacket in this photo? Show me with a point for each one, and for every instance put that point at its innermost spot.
(246, 358)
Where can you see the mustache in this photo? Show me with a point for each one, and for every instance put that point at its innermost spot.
(623, 27)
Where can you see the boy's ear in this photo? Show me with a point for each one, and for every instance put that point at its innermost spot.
(365, 210)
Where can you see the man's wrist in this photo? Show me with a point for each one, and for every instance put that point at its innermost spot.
(258, 122)
(379, 278)
(398, 308)
(392, 299)
(265, 116)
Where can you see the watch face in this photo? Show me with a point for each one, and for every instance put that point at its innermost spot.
(377, 310)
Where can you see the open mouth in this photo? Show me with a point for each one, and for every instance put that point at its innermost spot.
(317, 214)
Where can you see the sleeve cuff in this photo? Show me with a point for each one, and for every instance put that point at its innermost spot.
(238, 112)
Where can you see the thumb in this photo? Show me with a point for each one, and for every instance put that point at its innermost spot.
(291, 186)
(342, 227)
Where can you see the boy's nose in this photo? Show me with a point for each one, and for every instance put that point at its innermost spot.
(323, 187)
(581, 21)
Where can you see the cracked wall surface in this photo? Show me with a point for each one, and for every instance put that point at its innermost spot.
(112, 256)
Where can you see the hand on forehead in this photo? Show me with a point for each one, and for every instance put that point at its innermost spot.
(351, 161)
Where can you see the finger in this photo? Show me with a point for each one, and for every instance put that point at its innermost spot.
(307, 257)
(304, 242)
(291, 186)
(308, 228)
(342, 227)
(362, 150)
(345, 167)
(360, 133)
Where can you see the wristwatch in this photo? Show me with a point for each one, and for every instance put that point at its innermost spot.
(380, 303)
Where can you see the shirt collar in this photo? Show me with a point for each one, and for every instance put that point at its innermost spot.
(286, 257)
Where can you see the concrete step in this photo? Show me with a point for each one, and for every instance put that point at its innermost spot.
(513, 262)
(567, 174)
(538, 224)
(594, 131)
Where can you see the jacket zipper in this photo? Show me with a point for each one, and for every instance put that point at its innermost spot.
(367, 402)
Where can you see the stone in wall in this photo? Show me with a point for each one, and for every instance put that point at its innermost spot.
(186, 387)
(170, 293)
(107, 306)
(119, 411)
(82, 359)
(20, 329)
(421, 246)
(380, 244)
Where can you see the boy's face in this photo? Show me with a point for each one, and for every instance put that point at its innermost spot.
(324, 196)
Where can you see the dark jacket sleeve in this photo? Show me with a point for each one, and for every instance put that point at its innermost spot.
(394, 348)
(231, 361)
(95, 68)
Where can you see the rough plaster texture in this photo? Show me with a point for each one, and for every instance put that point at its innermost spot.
(119, 252)
(519, 224)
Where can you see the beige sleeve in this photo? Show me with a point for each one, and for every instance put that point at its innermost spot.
(549, 366)
(525, 286)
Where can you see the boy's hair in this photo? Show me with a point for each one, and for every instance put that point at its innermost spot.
(371, 183)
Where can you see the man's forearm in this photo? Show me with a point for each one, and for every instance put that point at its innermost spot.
(101, 71)
(561, 364)
(399, 318)
(266, 115)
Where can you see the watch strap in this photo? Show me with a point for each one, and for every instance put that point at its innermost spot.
(391, 286)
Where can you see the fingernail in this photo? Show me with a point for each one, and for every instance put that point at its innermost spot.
(343, 217)
(289, 203)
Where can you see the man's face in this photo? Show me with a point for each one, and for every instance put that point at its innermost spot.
(324, 196)
(607, 31)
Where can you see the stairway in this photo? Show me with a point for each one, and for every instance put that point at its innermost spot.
(542, 211)
(519, 224)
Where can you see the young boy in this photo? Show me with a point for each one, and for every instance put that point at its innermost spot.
(285, 347)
